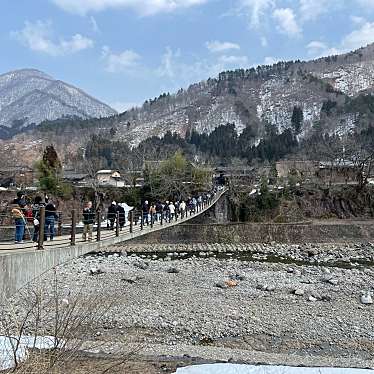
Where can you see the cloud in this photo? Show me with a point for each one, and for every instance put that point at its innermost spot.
(38, 37)
(360, 37)
(126, 61)
(143, 7)
(354, 40)
(217, 47)
(255, 10)
(366, 3)
(286, 20)
(177, 72)
(311, 9)
(316, 47)
(264, 41)
(94, 25)
(358, 20)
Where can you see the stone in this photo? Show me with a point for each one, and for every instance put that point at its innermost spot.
(366, 298)
(222, 285)
(316, 295)
(270, 288)
(173, 271)
(130, 280)
(237, 277)
(312, 252)
(96, 271)
(262, 287)
(312, 298)
(141, 265)
(299, 292)
(231, 283)
(290, 270)
(333, 282)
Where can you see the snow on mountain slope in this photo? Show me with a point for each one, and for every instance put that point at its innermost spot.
(29, 96)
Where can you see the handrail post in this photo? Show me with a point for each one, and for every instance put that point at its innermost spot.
(152, 217)
(59, 225)
(162, 218)
(117, 224)
(41, 228)
(98, 233)
(131, 221)
(141, 220)
(73, 227)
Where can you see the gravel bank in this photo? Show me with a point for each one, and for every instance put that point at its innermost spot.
(221, 308)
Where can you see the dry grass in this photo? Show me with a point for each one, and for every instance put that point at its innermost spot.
(68, 319)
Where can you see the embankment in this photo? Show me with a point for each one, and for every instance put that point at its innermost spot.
(291, 233)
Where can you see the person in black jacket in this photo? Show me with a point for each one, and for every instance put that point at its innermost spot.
(50, 218)
(38, 203)
(88, 221)
(145, 210)
(112, 212)
(122, 216)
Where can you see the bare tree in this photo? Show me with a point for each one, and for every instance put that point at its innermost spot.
(54, 326)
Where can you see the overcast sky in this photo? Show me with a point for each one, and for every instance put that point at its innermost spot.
(126, 51)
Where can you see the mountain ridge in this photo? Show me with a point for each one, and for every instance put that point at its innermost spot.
(335, 94)
(31, 96)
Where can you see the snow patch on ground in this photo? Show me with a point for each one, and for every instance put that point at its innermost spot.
(8, 344)
(261, 369)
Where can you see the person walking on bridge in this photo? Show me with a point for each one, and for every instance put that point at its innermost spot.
(152, 212)
(159, 209)
(19, 221)
(38, 203)
(171, 211)
(88, 221)
(111, 216)
(182, 208)
(50, 218)
(145, 211)
(122, 215)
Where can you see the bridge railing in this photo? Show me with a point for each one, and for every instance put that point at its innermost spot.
(68, 228)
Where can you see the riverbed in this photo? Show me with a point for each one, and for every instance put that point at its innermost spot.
(194, 302)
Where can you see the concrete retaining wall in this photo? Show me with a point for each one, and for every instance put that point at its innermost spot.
(262, 233)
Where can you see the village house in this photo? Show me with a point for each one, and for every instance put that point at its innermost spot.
(110, 178)
(328, 172)
(305, 170)
(80, 179)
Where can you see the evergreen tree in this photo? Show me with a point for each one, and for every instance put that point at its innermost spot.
(49, 169)
(297, 120)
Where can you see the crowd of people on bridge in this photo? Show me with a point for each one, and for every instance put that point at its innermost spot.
(169, 210)
(27, 214)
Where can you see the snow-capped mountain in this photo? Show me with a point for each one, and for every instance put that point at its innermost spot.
(28, 97)
(253, 97)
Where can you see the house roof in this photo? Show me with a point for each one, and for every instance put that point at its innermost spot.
(15, 169)
(75, 176)
(107, 171)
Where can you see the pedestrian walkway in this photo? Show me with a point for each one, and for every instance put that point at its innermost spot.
(102, 236)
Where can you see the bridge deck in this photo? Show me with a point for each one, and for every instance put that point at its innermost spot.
(107, 236)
